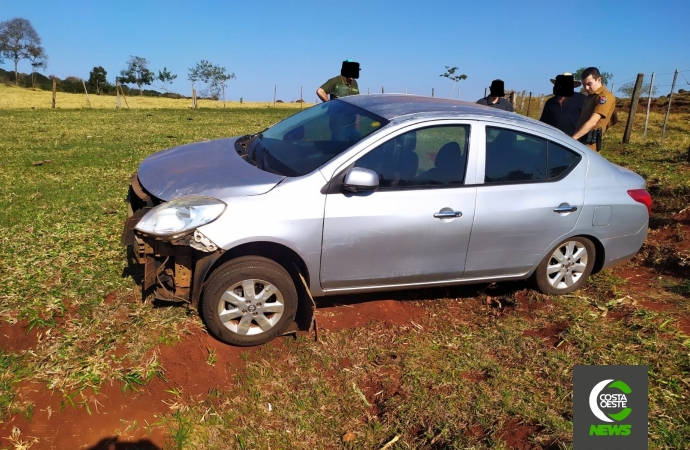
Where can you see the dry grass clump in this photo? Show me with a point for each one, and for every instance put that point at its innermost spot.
(12, 97)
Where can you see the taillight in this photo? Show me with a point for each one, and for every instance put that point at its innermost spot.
(642, 196)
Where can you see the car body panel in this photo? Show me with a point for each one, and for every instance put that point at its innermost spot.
(211, 168)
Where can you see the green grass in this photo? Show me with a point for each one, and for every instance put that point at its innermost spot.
(60, 225)
(464, 372)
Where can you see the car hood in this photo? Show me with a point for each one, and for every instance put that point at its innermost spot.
(211, 168)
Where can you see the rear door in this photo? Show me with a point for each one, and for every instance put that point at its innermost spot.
(532, 195)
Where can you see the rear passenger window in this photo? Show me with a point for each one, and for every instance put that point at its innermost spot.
(561, 160)
(514, 157)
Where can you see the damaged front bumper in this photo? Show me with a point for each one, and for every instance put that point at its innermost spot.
(175, 268)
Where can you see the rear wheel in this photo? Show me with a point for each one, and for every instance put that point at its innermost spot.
(249, 301)
(566, 268)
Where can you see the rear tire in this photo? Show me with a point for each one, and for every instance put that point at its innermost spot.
(249, 301)
(566, 267)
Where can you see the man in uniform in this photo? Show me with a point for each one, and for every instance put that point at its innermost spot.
(496, 97)
(563, 110)
(597, 110)
(342, 85)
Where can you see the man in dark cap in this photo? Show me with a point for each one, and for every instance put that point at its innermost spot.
(563, 109)
(342, 85)
(496, 97)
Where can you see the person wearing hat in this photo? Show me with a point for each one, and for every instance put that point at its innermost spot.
(598, 110)
(496, 97)
(342, 85)
(564, 108)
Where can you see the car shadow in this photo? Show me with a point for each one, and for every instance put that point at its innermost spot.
(504, 288)
(114, 443)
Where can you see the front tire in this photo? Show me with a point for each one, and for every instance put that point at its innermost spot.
(249, 301)
(566, 267)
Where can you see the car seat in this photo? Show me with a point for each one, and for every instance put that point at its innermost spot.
(449, 166)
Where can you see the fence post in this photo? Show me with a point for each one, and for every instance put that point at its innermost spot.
(117, 93)
(670, 97)
(649, 101)
(382, 89)
(86, 92)
(432, 92)
(301, 101)
(275, 89)
(633, 108)
(484, 92)
(529, 103)
(54, 91)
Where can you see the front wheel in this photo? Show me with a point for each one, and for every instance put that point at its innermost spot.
(566, 268)
(249, 301)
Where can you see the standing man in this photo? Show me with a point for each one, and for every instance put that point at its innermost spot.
(342, 85)
(496, 97)
(597, 110)
(563, 110)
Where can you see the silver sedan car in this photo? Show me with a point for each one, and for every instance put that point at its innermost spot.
(369, 193)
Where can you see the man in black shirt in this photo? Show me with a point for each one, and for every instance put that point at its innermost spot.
(563, 112)
(495, 98)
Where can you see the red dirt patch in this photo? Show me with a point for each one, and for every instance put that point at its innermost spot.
(112, 412)
(74, 428)
(339, 316)
(552, 335)
(17, 338)
(516, 435)
(474, 377)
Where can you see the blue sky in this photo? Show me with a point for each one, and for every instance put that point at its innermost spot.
(402, 45)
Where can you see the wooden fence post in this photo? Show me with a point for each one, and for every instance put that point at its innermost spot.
(54, 91)
(382, 90)
(633, 108)
(485, 92)
(670, 97)
(300, 98)
(529, 103)
(649, 102)
(432, 92)
(275, 90)
(87, 93)
(117, 92)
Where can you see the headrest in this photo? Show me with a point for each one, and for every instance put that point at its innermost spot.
(448, 155)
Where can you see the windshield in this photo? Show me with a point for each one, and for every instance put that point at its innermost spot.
(306, 140)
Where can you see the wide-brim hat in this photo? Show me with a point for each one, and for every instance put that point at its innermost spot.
(576, 83)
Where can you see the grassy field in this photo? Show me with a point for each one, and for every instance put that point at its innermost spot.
(474, 367)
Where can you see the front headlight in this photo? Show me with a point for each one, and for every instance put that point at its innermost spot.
(176, 217)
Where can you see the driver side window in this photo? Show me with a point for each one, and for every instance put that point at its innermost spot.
(424, 158)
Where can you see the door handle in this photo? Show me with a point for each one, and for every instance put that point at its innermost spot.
(447, 214)
(564, 208)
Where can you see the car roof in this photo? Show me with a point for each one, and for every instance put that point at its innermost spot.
(392, 106)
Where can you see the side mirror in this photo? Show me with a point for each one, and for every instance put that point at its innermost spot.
(359, 179)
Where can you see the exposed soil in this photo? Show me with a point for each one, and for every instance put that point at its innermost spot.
(517, 435)
(17, 338)
(553, 336)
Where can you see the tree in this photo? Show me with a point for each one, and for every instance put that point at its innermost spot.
(628, 88)
(39, 60)
(450, 74)
(605, 76)
(213, 76)
(97, 79)
(137, 72)
(17, 36)
(164, 76)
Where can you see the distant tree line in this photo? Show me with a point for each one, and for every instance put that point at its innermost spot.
(19, 40)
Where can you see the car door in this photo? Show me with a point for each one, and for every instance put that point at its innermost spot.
(531, 196)
(415, 228)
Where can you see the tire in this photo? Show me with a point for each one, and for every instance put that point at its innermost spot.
(566, 267)
(236, 315)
